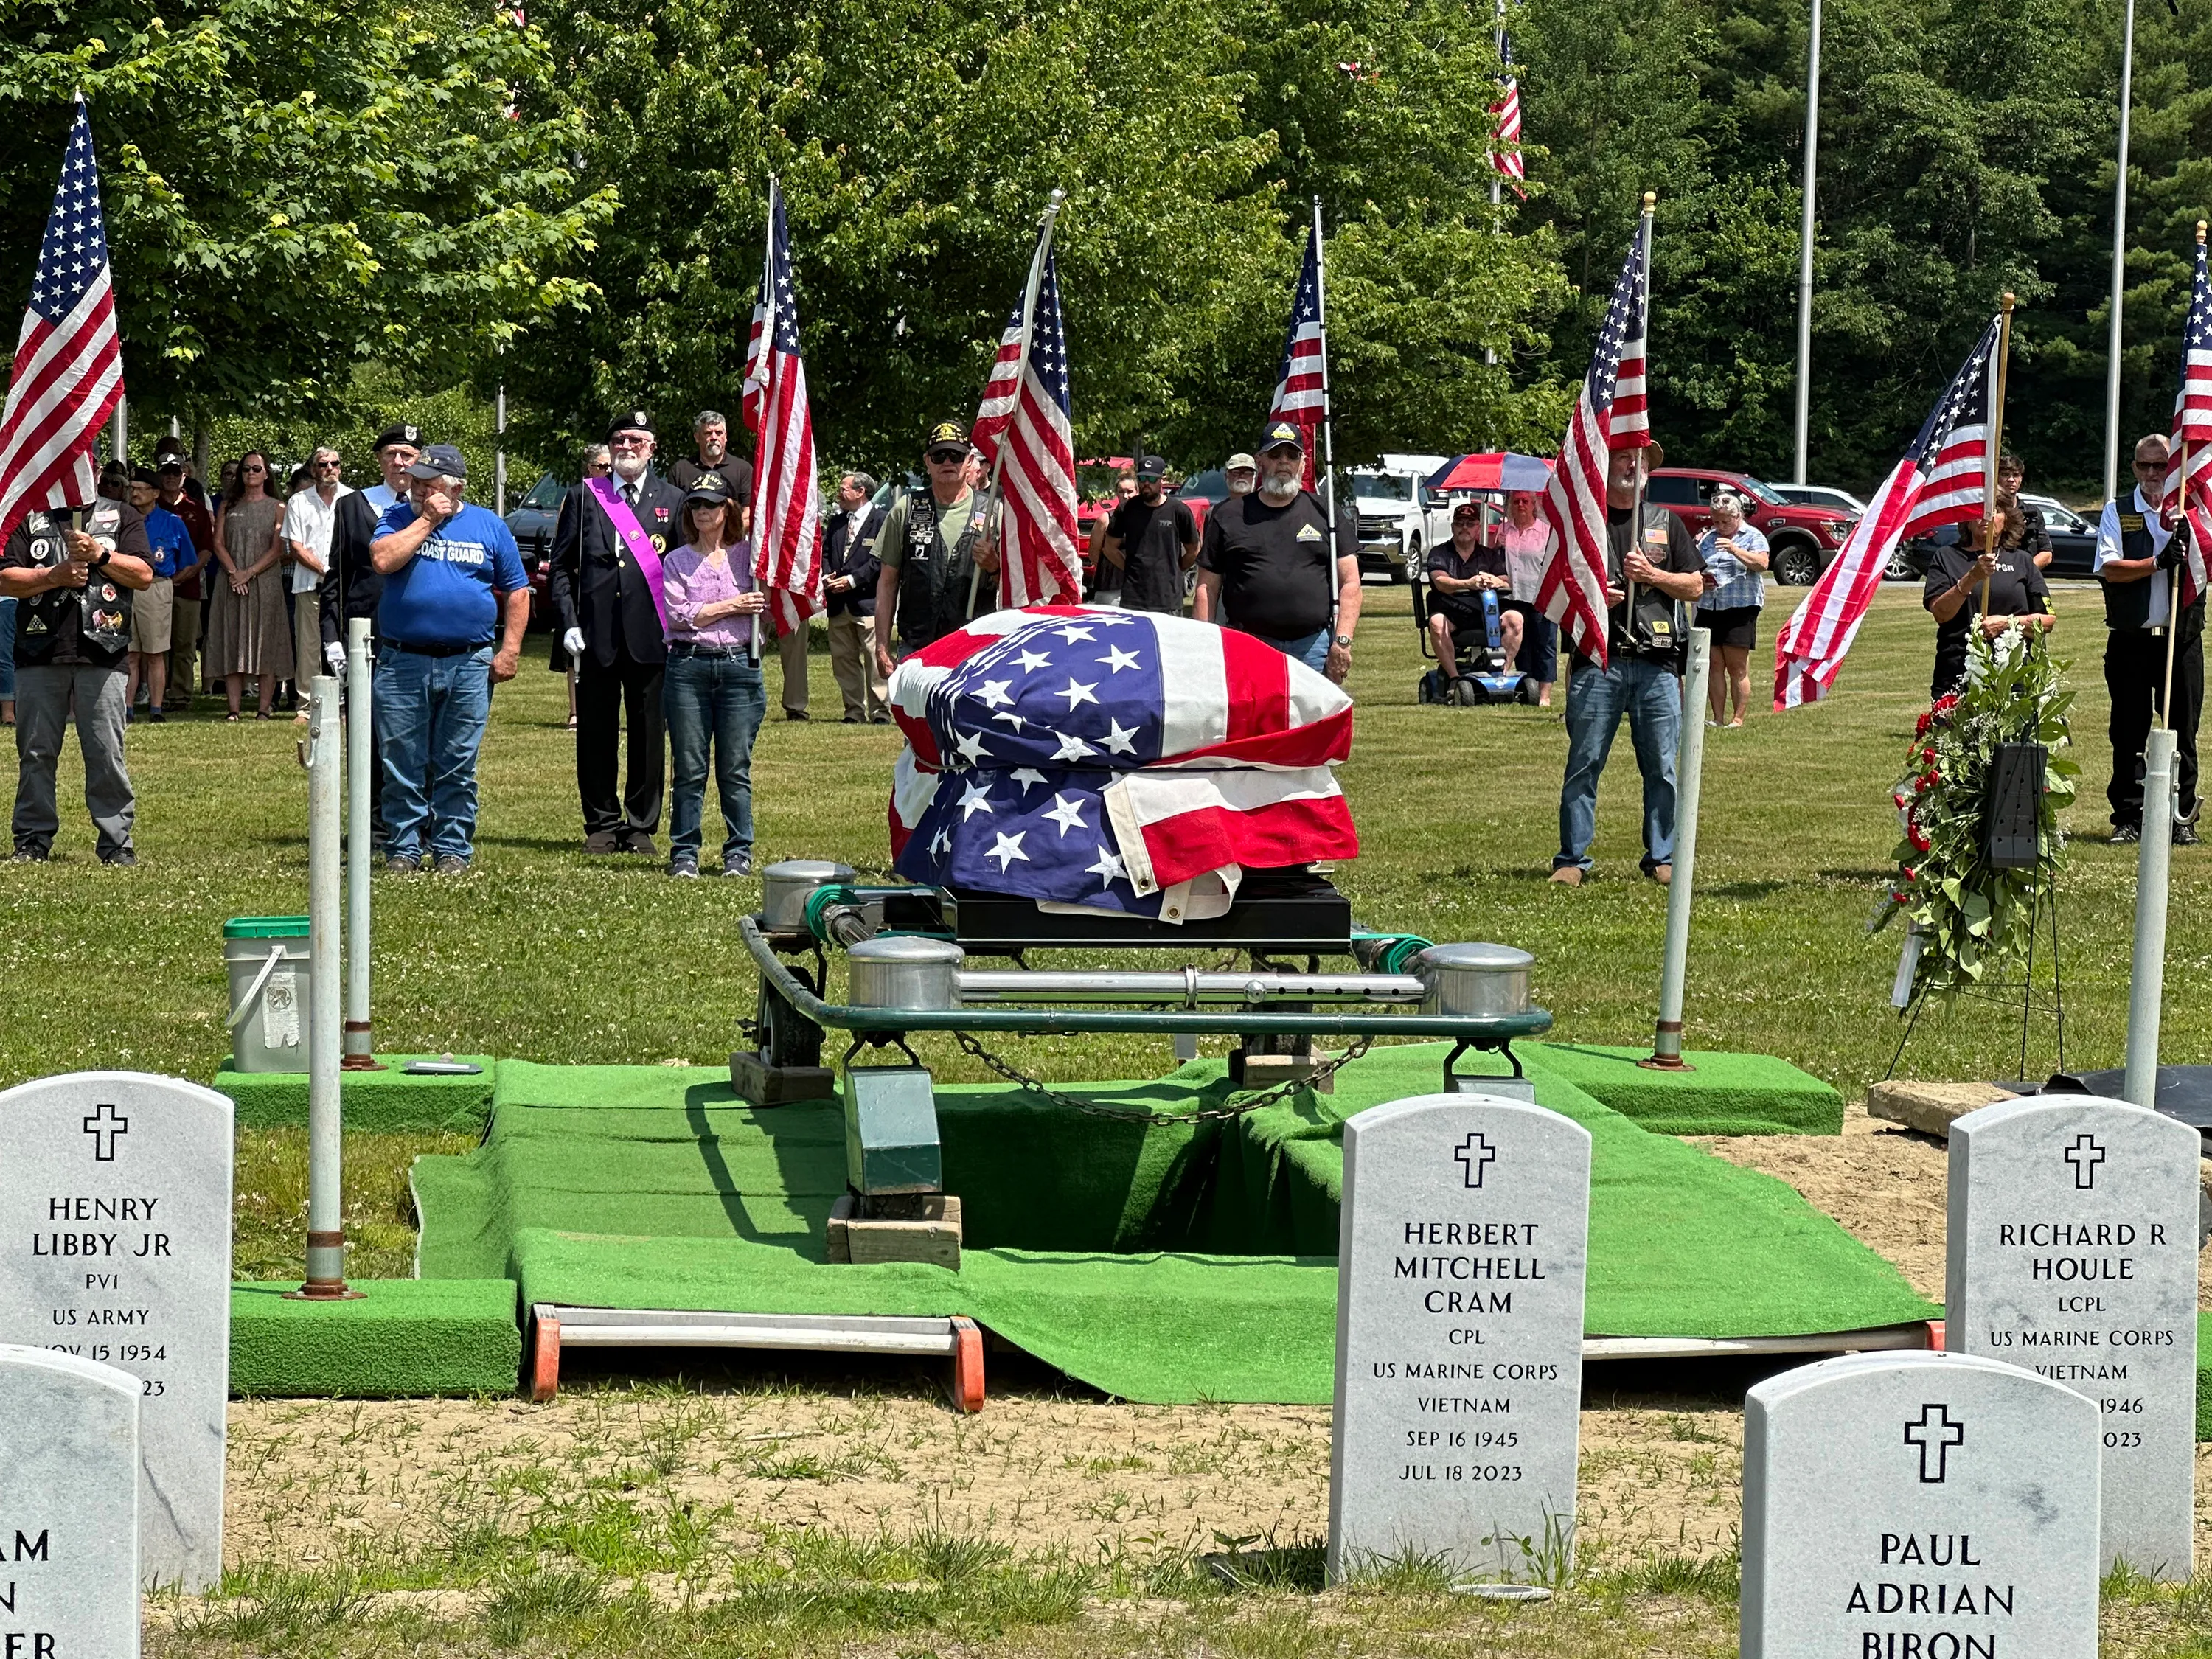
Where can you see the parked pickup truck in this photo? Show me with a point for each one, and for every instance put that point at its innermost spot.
(1801, 540)
(1398, 522)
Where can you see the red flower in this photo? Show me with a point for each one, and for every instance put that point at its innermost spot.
(1921, 730)
(1912, 874)
(1920, 842)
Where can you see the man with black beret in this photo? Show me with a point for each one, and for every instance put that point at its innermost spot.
(604, 584)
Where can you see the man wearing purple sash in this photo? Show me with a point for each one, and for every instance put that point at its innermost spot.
(606, 588)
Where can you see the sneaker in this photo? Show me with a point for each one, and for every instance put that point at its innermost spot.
(401, 864)
(28, 855)
(2126, 834)
(683, 868)
(603, 841)
(1568, 875)
(451, 864)
(737, 864)
(156, 717)
(122, 859)
(636, 841)
(2184, 835)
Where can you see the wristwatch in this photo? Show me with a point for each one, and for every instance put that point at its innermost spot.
(1344, 639)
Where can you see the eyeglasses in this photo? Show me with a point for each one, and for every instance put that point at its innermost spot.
(330, 466)
(2150, 466)
(254, 468)
(627, 440)
(946, 457)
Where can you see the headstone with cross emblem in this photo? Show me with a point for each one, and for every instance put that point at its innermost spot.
(2072, 1246)
(1459, 1330)
(1936, 1506)
(115, 1247)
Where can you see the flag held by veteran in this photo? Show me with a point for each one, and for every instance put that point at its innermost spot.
(786, 507)
(1938, 481)
(1302, 389)
(1023, 430)
(68, 371)
(2192, 431)
(1611, 413)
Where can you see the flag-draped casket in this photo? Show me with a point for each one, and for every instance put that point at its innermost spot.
(1116, 760)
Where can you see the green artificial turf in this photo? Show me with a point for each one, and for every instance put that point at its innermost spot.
(1721, 1094)
(389, 1101)
(402, 1337)
(1160, 1261)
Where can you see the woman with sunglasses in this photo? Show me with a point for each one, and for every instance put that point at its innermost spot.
(249, 636)
(714, 693)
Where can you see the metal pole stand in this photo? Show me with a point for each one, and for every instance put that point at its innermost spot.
(2147, 975)
(360, 854)
(324, 754)
(1689, 765)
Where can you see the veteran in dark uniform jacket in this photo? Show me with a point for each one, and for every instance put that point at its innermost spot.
(2137, 556)
(610, 626)
(353, 585)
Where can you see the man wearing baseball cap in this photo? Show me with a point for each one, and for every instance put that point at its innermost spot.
(935, 552)
(1271, 564)
(453, 580)
(604, 584)
(1242, 474)
(1151, 541)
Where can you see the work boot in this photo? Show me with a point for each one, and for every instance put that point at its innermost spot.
(636, 841)
(401, 864)
(452, 863)
(603, 841)
(1568, 875)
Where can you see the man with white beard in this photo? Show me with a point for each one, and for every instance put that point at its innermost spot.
(604, 584)
(1268, 567)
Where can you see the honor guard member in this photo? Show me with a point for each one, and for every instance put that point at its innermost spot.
(353, 585)
(1650, 550)
(2137, 554)
(73, 590)
(605, 588)
(935, 550)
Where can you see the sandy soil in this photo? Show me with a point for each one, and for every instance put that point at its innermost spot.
(1041, 1466)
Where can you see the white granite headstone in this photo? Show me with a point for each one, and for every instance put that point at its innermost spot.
(1459, 1330)
(115, 1246)
(68, 1507)
(1919, 1505)
(2072, 1246)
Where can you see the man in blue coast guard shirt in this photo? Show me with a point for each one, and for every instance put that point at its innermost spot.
(452, 581)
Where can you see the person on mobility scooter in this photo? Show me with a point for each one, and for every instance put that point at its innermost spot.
(1475, 638)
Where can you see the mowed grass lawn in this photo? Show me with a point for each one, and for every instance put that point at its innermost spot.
(543, 953)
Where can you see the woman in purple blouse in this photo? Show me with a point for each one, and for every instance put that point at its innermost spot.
(712, 692)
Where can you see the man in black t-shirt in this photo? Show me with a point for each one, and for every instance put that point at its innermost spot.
(1267, 565)
(1653, 574)
(1953, 593)
(1151, 541)
(72, 631)
(1460, 570)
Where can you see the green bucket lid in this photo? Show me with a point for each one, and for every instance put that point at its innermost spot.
(265, 927)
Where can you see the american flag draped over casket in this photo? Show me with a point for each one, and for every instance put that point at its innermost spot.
(1077, 755)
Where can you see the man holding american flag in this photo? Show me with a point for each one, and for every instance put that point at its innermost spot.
(2139, 549)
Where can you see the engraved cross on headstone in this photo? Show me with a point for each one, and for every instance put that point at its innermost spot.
(2085, 1155)
(1475, 1154)
(104, 1126)
(1935, 1436)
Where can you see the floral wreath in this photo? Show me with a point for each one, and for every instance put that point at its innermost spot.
(1974, 922)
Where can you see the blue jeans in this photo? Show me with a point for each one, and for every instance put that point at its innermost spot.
(430, 718)
(1311, 649)
(1651, 697)
(714, 702)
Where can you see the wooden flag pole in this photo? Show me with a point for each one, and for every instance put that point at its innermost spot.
(2173, 588)
(1995, 447)
(1636, 516)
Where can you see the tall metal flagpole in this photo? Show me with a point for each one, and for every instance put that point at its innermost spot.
(1805, 246)
(2119, 263)
(1635, 518)
(1022, 369)
(1995, 444)
(1496, 179)
(1327, 405)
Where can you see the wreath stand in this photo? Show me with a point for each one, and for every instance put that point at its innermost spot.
(2009, 840)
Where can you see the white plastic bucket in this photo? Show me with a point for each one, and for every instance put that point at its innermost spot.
(270, 976)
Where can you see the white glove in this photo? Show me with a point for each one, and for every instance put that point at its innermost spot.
(573, 641)
(334, 654)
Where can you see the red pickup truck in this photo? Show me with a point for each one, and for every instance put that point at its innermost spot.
(1801, 539)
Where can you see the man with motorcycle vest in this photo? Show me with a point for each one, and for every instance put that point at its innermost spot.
(2139, 552)
(936, 548)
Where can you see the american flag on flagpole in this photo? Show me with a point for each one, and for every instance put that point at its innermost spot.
(1610, 414)
(68, 373)
(1941, 479)
(786, 506)
(1505, 115)
(1023, 432)
(2192, 430)
(1302, 393)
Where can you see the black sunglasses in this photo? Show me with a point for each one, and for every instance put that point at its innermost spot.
(943, 457)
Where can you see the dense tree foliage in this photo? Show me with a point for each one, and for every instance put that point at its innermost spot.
(575, 208)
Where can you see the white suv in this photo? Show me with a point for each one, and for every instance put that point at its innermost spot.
(1397, 526)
